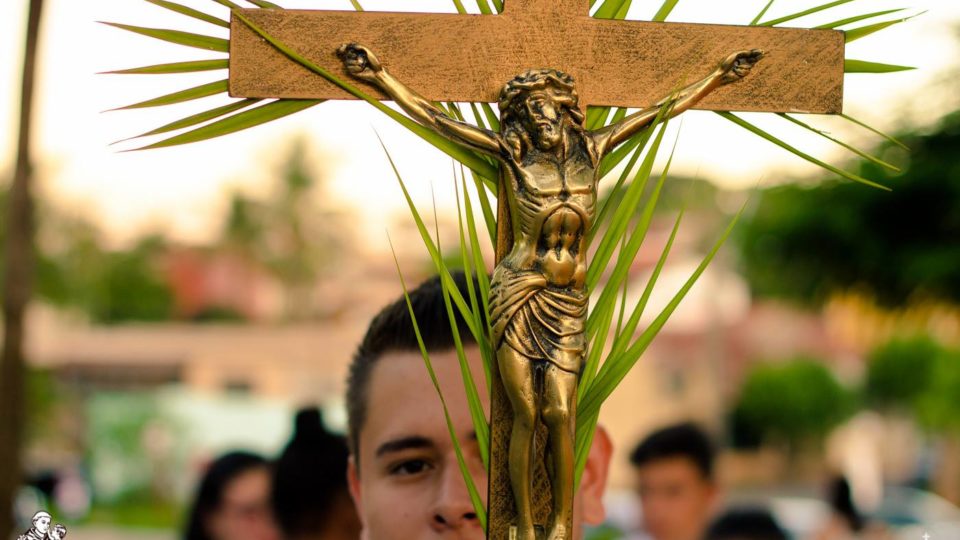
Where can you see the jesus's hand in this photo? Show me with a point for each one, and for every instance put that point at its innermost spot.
(738, 65)
(360, 61)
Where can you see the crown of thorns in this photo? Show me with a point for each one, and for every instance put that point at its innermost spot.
(538, 79)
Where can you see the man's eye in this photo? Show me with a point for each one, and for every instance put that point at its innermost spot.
(410, 467)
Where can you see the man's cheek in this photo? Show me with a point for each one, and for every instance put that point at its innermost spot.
(394, 511)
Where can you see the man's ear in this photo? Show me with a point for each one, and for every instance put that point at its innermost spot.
(353, 483)
(593, 483)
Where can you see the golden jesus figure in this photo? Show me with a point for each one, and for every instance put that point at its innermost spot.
(538, 296)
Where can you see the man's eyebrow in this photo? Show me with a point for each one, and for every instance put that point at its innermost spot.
(404, 443)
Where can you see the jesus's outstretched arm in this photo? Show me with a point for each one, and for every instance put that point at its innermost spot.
(732, 69)
(364, 65)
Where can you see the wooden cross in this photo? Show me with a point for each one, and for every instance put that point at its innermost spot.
(463, 58)
(468, 58)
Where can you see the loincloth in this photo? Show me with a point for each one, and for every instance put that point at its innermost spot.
(536, 320)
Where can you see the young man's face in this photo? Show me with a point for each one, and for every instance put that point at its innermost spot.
(677, 499)
(405, 478)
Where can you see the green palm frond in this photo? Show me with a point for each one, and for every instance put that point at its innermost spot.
(178, 37)
(197, 92)
(863, 66)
(232, 124)
(804, 13)
(175, 67)
(190, 12)
(864, 31)
(475, 499)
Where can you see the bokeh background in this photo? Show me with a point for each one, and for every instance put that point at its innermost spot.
(188, 300)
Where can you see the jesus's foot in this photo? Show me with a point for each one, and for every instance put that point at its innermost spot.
(523, 533)
(559, 532)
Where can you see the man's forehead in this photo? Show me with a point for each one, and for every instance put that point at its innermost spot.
(402, 401)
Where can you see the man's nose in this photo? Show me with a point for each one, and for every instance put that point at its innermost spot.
(453, 510)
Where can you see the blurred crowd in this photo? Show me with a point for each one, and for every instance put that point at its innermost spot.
(300, 495)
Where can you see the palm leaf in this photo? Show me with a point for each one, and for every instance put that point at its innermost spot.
(452, 294)
(833, 139)
(763, 134)
(616, 368)
(199, 118)
(176, 36)
(863, 31)
(874, 130)
(609, 9)
(476, 501)
(445, 278)
(756, 20)
(176, 67)
(857, 18)
(863, 66)
(190, 12)
(228, 3)
(665, 10)
(804, 13)
(264, 4)
(606, 304)
(197, 92)
(238, 122)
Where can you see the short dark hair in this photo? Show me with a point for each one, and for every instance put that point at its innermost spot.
(392, 330)
(746, 524)
(681, 440)
(309, 476)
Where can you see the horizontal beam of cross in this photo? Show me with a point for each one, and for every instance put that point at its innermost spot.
(451, 57)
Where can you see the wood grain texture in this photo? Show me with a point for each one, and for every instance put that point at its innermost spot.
(619, 63)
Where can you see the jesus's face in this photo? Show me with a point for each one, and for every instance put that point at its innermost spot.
(542, 119)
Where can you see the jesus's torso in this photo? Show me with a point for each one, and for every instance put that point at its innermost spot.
(552, 209)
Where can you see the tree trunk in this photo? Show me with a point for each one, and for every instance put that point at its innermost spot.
(18, 270)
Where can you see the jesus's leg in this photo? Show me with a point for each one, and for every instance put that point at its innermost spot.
(516, 371)
(559, 402)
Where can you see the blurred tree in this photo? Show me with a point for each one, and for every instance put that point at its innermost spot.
(901, 371)
(18, 268)
(938, 408)
(796, 403)
(805, 242)
(295, 233)
(109, 286)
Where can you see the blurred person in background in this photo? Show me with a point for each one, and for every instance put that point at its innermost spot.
(675, 482)
(310, 498)
(846, 522)
(745, 524)
(232, 501)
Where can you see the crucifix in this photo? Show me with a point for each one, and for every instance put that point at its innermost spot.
(543, 62)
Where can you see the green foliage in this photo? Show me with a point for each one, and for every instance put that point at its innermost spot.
(938, 409)
(794, 402)
(109, 286)
(900, 371)
(804, 243)
(919, 376)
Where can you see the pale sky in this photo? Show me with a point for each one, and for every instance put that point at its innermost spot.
(182, 190)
